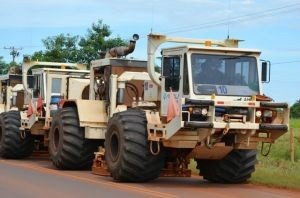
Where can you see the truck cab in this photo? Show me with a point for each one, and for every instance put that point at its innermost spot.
(51, 86)
(230, 74)
(218, 89)
(30, 100)
(12, 95)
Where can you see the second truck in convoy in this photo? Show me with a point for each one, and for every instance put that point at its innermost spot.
(30, 101)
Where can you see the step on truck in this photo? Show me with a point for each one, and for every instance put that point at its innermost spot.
(206, 104)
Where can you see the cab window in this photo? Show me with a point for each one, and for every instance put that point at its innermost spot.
(37, 86)
(171, 72)
(56, 86)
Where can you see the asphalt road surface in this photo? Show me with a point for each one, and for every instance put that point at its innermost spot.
(37, 178)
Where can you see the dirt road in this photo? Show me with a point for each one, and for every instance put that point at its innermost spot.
(37, 178)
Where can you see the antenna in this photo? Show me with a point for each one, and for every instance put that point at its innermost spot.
(152, 16)
(14, 52)
(229, 18)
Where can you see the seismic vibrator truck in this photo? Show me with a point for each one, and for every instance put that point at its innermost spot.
(206, 104)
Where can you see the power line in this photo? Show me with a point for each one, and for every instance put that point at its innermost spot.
(28, 46)
(286, 62)
(31, 46)
(242, 17)
(233, 21)
(248, 17)
(288, 8)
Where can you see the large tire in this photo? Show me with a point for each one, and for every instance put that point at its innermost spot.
(12, 146)
(236, 167)
(127, 148)
(68, 147)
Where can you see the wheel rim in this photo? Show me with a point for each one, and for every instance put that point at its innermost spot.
(114, 146)
(56, 139)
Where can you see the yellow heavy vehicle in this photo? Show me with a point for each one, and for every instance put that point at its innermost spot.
(29, 103)
(207, 104)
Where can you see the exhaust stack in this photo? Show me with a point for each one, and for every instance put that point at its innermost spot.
(122, 50)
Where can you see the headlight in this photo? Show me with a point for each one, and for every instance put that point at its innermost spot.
(258, 114)
(204, 111)
(198, 111)
(268, 113)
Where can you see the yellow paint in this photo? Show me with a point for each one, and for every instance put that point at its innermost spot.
(207, 43)
(213, 96)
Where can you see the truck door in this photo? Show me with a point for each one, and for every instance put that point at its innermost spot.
(170, 80)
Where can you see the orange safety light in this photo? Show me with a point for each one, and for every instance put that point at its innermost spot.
(207, 43)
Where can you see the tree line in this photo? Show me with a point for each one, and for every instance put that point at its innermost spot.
(295, 109)
(74, 49)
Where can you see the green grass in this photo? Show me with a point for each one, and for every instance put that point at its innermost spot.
(295, 123)
(276, 169)
(277, 173)
(192, 166)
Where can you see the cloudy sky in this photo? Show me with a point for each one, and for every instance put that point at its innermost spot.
(273, 26)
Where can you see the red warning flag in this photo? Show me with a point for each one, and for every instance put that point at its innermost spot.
(61, 101)
(30, 109)
(39, 105)
(173, 109)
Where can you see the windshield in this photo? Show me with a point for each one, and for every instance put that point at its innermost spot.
(224, 75)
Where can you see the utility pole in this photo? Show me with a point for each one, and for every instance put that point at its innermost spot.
(14, 52)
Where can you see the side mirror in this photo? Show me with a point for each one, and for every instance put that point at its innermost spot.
(265, 71)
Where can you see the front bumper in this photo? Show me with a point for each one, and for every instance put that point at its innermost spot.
(243, 126)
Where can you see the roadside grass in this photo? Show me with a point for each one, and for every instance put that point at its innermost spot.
(295, 123)
(277, 173)
(193, 168)
(276, 169)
